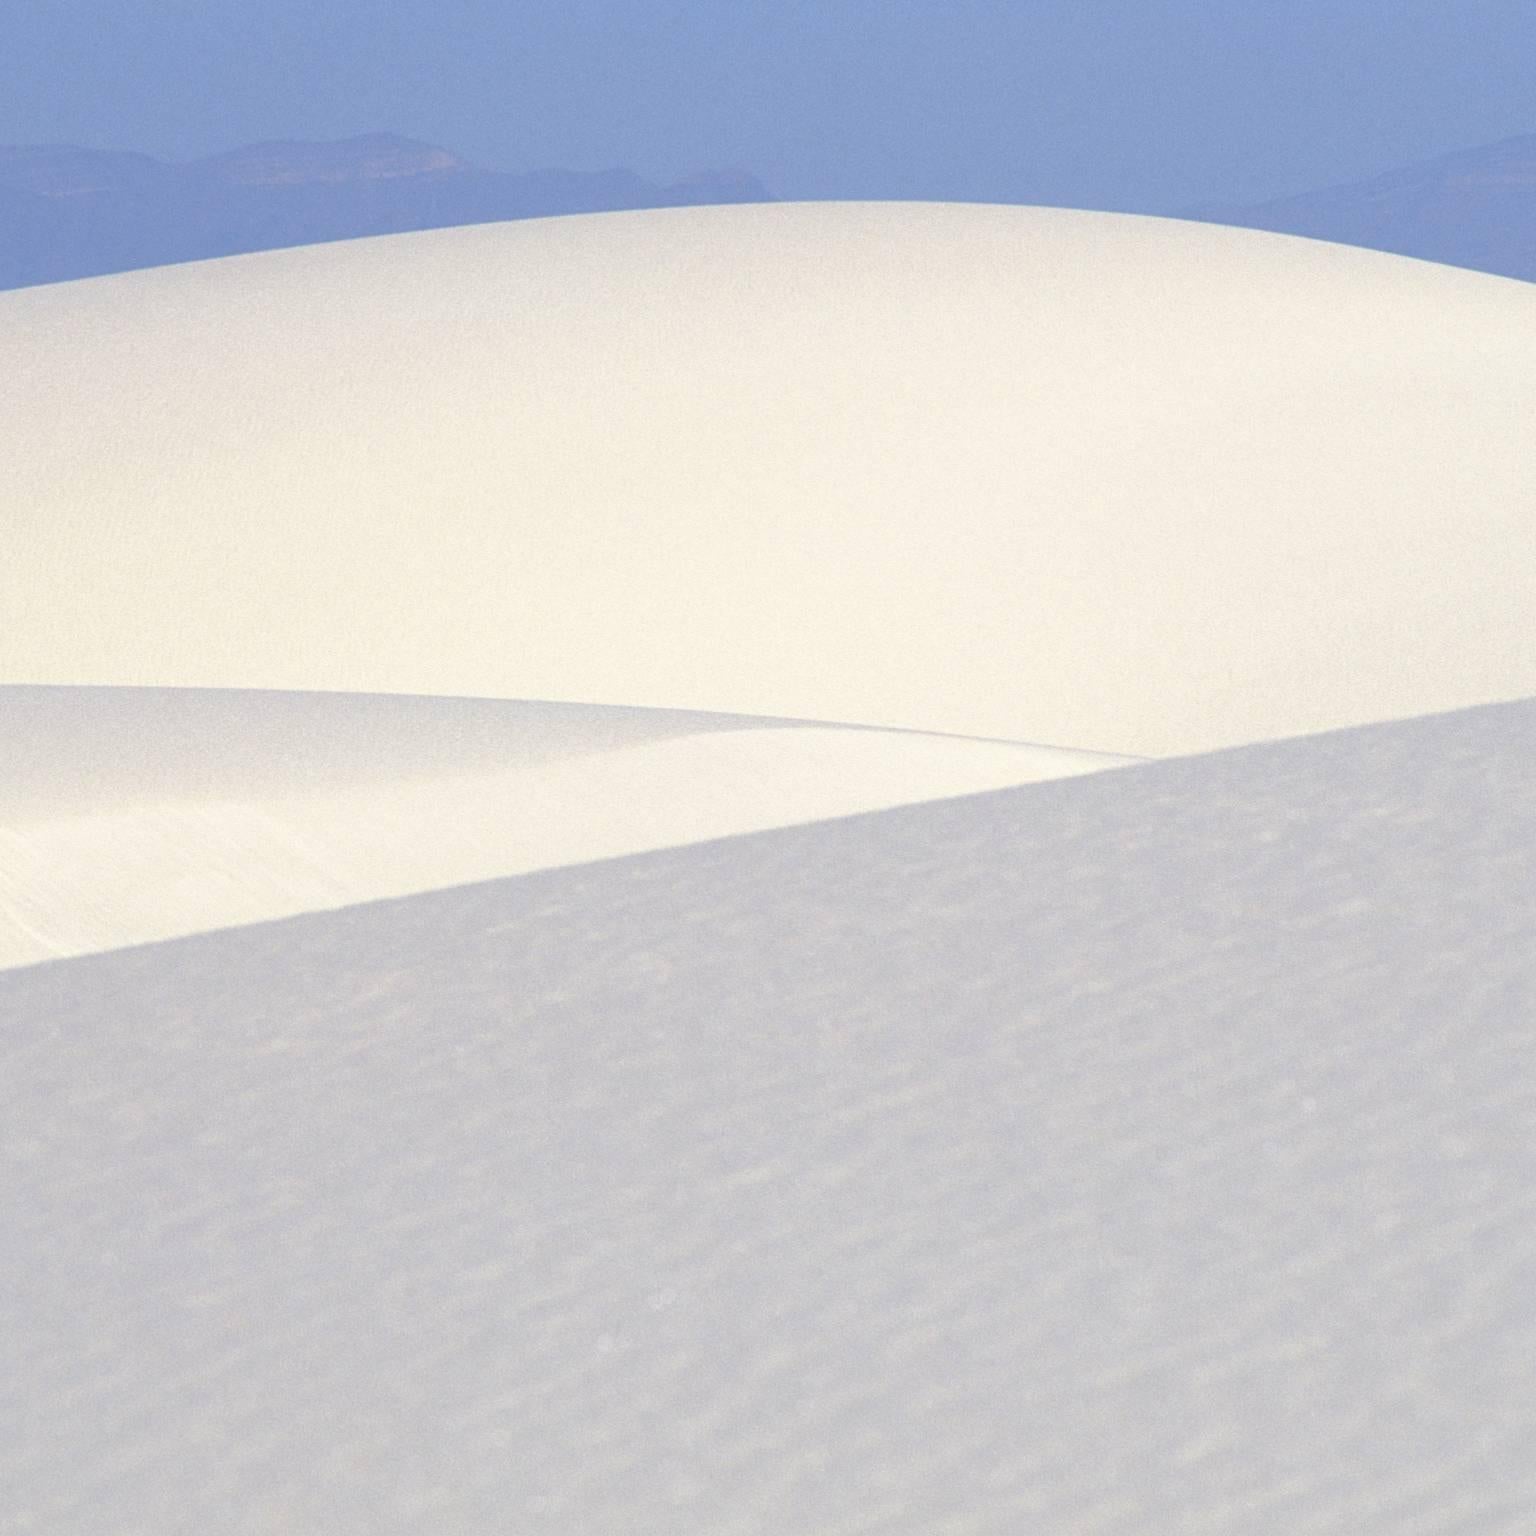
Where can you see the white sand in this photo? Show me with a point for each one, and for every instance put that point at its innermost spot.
(1100, 481)
(1145, 1153)
(130, 815)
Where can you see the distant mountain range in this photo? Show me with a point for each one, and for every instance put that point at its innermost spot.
(1474, 208)
(67, 212)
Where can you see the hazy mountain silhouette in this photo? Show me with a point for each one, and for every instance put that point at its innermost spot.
(1473, 208)
(67, 212)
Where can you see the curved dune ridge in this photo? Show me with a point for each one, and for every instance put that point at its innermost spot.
(1117, 483)
(130, 815)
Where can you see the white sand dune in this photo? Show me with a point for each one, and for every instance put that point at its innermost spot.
(1145, 1153)
(129, 815)
(1117, 483)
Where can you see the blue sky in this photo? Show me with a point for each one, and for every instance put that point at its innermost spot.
(1143, 105)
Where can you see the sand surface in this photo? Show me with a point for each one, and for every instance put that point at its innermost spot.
(129, 815)
(1144, 1152)
(1097, 481)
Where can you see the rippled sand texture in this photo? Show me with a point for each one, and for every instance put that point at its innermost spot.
(1144, 1152)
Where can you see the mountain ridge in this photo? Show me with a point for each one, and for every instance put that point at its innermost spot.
(68, 212)
(1473, 208)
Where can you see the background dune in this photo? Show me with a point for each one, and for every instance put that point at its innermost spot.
(1097, 481)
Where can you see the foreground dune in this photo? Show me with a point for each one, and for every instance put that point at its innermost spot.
(1103, 482)
(1148, 1152)
(129, 815)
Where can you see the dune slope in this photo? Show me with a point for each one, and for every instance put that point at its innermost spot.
(1113, 483)
(131, 814)
(1144, 1152)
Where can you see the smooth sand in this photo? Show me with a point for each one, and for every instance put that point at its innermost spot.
(1093, 480)
(131, 815)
